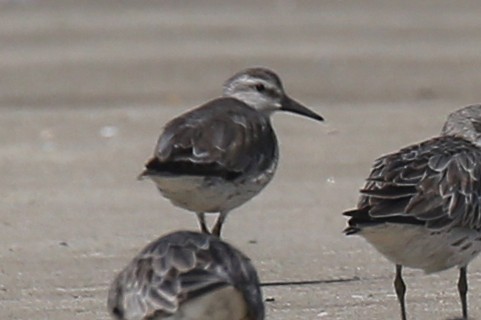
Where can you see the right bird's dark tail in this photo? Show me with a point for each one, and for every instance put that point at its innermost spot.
(359, 217)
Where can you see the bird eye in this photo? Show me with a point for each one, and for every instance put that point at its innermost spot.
(260, 87)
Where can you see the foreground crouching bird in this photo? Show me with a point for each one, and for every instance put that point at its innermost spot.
(420, 206)
(218, 156)
(187, 276)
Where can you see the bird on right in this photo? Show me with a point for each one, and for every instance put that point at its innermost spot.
(421, 206)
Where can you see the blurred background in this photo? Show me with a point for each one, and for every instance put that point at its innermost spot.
(86, 86)
(111, 53)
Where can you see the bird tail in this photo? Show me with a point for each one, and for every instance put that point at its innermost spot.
(358, 217)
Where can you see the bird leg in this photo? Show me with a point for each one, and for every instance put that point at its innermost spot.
(400, 290)
(463, 290)
(203, 225)
(216, 230)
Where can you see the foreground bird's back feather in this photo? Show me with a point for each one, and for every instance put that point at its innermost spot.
(223, 137)
(177, 268)
(436, 182)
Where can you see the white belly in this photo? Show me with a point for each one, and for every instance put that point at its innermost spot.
(417, 247)
(211, 194)
(223, 304)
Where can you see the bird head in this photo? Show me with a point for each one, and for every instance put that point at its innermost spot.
(465, 123)
(262, 89)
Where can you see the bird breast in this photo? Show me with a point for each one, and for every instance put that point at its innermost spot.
(223, 304)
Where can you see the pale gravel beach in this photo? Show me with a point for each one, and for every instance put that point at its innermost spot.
(85, 87)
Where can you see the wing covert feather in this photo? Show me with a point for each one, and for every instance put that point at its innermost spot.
(178, 267)
(437, 181)
(224, 135)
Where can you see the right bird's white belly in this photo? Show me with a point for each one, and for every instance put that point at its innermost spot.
(417, 247)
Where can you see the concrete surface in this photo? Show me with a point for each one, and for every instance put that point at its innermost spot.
(85, 87)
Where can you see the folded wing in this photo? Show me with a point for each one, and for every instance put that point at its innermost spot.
(224, 137)
(436, 183)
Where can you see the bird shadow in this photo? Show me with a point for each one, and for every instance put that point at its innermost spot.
(308, 282)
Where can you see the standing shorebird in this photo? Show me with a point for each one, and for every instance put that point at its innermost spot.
(218, 156)
(187, 276)
(421, 206)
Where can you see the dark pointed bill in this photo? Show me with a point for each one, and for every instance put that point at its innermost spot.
(293, 106)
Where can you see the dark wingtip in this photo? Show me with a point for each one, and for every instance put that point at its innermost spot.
(355, 216)
(350, 213)
(143, 175)
(351, 230)
(149, 169)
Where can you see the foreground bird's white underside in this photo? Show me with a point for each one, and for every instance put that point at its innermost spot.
(211, 194)
(223, 304)
(415, 246)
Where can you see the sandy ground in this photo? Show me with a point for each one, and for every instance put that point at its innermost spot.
(85, 87)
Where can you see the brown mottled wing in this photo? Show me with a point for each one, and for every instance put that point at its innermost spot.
(179, 267)
(436, 182)
(224, 137)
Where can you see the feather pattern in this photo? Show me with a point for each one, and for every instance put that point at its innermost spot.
(177, 268)
(435, 182)
(420, 206)
(225, 137)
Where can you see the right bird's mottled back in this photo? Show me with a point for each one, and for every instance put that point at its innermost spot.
(421, 206)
